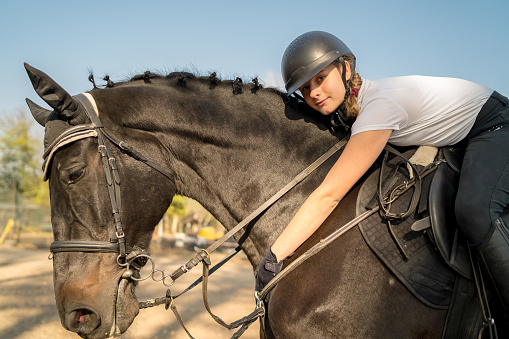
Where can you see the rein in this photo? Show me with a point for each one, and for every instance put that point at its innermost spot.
(382, 203)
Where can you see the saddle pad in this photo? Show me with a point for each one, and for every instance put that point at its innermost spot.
(424, 273)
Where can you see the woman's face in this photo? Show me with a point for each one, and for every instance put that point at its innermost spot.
(325, 91)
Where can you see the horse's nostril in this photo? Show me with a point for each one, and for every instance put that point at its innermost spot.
(83, 315)
(82, 320)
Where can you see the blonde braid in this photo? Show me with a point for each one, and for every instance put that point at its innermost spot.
(351, 104)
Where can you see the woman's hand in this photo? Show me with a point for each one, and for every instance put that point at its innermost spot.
(266, 270)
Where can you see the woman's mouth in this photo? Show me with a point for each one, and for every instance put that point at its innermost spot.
(321, 102)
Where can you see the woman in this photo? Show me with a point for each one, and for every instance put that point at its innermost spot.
(403, 111)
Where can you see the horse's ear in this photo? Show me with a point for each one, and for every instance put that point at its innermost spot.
(39, 113)
(52, 93)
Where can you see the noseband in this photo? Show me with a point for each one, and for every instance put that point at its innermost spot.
(96, 129)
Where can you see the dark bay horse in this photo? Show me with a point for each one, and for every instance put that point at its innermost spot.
(230, 147)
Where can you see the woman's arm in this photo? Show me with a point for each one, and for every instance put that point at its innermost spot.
(359, 154)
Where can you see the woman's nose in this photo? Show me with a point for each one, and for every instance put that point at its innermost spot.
(314, 92)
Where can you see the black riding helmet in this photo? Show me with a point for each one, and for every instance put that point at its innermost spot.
(308, 54)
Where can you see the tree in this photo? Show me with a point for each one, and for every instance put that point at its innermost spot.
(19, 151)
(20, 168)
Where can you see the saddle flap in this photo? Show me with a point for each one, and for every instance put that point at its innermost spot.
(448, 240)
(421, 269)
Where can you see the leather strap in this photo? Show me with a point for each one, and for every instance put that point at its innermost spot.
(314, 250)
(170, 303)
(85, 246)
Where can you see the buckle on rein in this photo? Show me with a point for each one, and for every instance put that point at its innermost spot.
(202, 256)
(169, 300)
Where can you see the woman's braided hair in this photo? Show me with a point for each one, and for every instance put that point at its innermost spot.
(351, 104)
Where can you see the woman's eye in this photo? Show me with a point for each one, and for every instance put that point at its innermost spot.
(76, 175)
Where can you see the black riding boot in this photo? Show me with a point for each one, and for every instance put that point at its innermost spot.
(494, 253)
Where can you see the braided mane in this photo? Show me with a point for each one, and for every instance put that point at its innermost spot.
(182, 78)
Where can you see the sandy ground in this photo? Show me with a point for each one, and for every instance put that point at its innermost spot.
(27, 305)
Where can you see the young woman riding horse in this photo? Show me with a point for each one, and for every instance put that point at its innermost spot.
(404, 111)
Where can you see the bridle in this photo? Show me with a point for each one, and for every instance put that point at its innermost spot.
(96, 129)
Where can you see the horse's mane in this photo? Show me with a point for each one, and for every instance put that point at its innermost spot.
(183, 77)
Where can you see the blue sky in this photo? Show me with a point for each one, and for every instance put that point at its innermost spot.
(67, 39)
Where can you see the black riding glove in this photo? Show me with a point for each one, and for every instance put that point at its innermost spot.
(266, 270)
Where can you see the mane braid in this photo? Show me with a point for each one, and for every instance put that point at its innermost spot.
(145, 77)
(237, 86)
(91, 79)
(256, 86)
(214, 80)
(109, 83)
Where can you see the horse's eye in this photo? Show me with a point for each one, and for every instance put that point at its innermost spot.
(76, 175)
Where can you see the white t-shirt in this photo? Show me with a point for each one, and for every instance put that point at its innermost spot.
(420, 110)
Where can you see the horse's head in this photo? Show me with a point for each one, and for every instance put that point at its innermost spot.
(92, 297)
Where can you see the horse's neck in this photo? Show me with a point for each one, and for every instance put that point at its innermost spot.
(232, 157)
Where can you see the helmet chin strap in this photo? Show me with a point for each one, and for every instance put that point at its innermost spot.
(338, 117)
(342, 107)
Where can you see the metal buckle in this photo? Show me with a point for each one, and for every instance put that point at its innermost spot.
(260, 305)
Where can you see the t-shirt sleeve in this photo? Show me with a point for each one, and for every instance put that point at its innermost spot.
(380, 114)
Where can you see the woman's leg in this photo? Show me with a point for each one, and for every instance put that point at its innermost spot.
(482, 202)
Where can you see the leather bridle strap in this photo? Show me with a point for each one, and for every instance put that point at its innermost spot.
(111, 171)
(117, 245)
(85, 246)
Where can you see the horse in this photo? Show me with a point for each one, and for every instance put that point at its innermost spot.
(230, 146)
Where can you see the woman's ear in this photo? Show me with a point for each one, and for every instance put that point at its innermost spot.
(348, 71)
